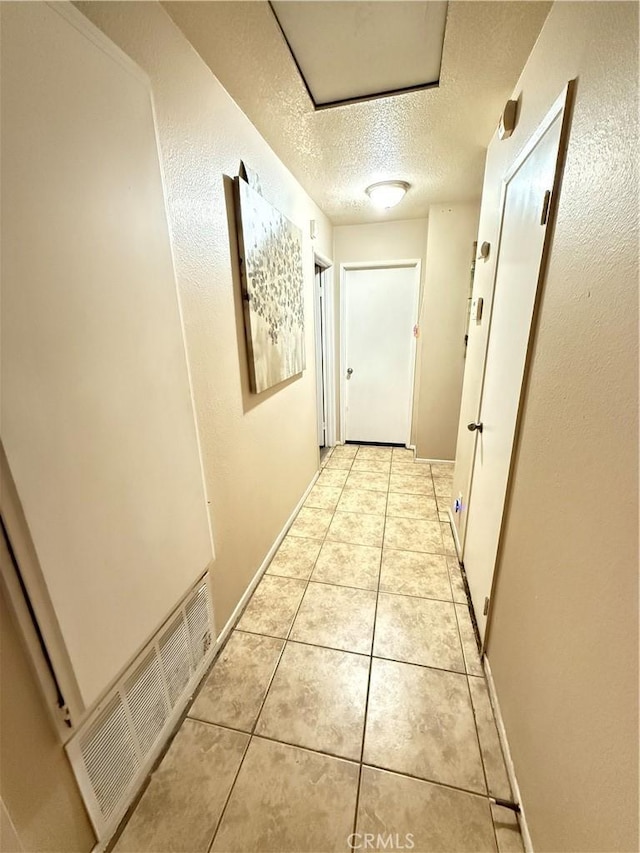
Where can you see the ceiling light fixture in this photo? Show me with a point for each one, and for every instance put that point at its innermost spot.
(386, 194)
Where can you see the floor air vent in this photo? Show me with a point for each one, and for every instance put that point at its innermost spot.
(115, 747)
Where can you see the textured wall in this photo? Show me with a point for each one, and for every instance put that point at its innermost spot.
(452, 231)
(563, 643)
(259, 452)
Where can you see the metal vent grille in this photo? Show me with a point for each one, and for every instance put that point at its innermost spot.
(116, 746)
(198, 624)
(109, 754)
(175, 655)
(147, 701)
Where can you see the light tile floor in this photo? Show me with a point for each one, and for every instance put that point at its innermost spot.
(350, 698)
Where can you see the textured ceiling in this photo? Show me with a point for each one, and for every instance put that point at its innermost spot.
(434, 138)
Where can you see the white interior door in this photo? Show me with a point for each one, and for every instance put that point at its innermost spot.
(525, 214)
(380, 314)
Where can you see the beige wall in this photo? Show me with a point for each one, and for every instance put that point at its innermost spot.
(259, 452)
(447, 276)
(37, 786)
(563, 642)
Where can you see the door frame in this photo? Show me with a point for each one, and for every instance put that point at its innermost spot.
(325, 345)
(415, 263)
(562, 106)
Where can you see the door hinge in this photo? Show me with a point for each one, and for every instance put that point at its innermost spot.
(486, 606)
(66, 715)
(545, 208)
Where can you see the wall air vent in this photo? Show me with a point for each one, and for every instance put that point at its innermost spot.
(115, 747)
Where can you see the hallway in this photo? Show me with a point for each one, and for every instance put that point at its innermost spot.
(350, 698)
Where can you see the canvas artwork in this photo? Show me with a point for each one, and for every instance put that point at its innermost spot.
(272, 281)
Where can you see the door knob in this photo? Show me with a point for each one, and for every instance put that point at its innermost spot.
(349, 372)
(474, 427)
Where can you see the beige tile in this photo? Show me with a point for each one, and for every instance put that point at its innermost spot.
(289, 800)
(183, 803)
(356, 528)
(336, 616)
(372, 451)
(368, 480)
(457, 584)
(411, 469)
(413, 534)
(422, 816)
(374, 465)
(272, 606)
(401, 505)
(447, 539)
(332, 477)
(234, 689)
(507, 830)
(317, 700)
(415, 573)
(348, 565)
(346, 451)
(341, 462)
(363, 501)
(418, 630)
(411, 485)
(403, 454)
(490, 749)
(420, 722)
(442, 487)
(323, 497)
(311, 523)
(443, 504)
(443, 516)
(442, 470)
(295, 558)
(468, 638)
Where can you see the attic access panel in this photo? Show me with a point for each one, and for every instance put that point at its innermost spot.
(358, 50)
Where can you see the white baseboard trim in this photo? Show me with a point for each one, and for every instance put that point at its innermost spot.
(454, 530)
(237, 612)
(511, 771)
(435, 461)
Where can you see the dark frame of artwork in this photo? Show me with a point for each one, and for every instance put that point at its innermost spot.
(272, 275)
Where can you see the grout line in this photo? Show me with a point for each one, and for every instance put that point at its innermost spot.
(366, 702)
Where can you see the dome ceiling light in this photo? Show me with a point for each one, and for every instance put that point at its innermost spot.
(386, 194)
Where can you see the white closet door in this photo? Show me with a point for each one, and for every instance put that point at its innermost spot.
(97, 416)
(380, 315)
(524, 226)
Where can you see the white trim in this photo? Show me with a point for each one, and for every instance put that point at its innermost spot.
(329, 347)
(504, 743)
(415, 263)
(435, 461)
(237, 612)
(454, 531)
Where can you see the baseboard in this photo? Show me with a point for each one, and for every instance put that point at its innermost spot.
(436, 461)
(240, 606)
(504, 743)
(454, 531)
